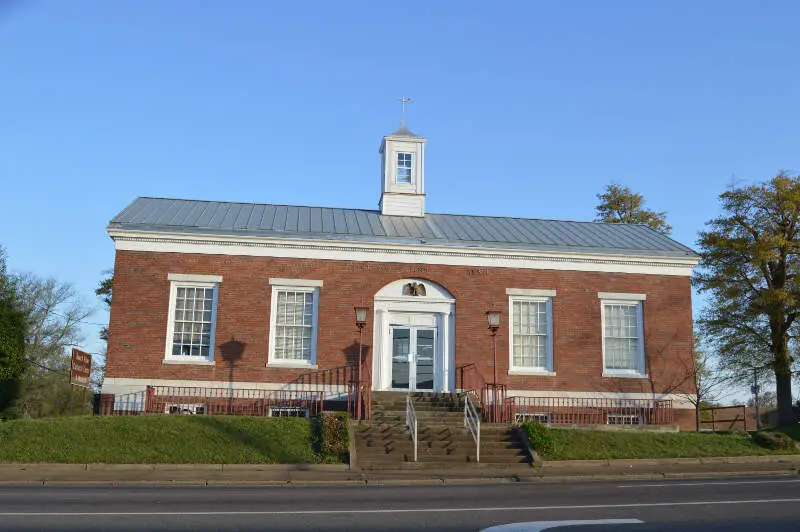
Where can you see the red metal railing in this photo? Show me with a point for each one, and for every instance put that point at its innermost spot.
(361, 389)
(470, 378)
(365, 387)
(233, 401)
(587, 410)
(493, 403)
(216, 401)
(490, 397)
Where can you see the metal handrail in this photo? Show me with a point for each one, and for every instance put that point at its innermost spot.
(473, 423)
(411, 422)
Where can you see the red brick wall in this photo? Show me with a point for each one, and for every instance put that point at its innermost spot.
(141, 298)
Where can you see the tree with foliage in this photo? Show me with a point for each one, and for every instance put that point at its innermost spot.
(54, 314)
(750, 269)
(104, 290)
(620, 205)
(12, 337)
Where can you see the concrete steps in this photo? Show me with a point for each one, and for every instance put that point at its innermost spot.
(443, 442)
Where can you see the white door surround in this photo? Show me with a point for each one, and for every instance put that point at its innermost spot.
(432, 307)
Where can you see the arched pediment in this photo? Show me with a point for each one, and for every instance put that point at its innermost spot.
(414, 289)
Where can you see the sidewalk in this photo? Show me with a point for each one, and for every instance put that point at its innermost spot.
(313, 474)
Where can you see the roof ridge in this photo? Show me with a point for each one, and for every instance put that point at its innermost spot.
(494, 216)
(257, 203)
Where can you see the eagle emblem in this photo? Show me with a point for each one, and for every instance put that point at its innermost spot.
(414, 289)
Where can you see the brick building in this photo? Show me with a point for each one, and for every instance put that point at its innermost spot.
(256, 296)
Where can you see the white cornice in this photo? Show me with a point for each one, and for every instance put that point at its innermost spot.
(295, 282)
(530, 292)
(192, 277)
(621, 297)
(398, 253)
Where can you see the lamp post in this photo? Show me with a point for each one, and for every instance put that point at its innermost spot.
(493, 318)
(361, 320)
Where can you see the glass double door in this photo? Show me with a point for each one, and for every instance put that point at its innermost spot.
(413, 357)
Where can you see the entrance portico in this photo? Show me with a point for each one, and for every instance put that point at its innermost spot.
(414, 337)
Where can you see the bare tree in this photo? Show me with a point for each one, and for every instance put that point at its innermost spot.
(766, 400)
(708, 382)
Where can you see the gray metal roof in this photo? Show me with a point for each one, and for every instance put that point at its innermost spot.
(289, 221)
(403, 131)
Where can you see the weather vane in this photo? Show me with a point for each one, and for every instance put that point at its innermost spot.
(403, 101)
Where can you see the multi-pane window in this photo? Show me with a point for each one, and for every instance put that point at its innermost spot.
(293, 322)
(531, 334)
(294, 325)
(622, 336)
(191, 327)
(404, 168)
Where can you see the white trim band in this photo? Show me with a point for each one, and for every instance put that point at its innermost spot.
(131, 385)
(194, 278)
(531, 292)
(621, 297)
(195, 361)
(129, 240)
(532, 372)
(294, 282)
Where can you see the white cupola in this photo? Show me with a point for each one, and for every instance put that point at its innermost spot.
(403, 173)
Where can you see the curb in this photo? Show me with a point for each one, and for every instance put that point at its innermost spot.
(44, 474)
(539, 479)
(116, 468)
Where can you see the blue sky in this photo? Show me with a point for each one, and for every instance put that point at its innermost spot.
(530, 108)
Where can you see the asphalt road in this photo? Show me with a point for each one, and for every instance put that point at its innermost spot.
(748, 504)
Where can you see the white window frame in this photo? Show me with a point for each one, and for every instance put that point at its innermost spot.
(624, 418)
(397, 168)
(182, 409)
(293, 285)
(630, 300)
(540, 296)
(545, 418)
(286, 411)
(180, 280)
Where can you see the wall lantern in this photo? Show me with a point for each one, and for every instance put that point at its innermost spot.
(361, 316)
(493, 317)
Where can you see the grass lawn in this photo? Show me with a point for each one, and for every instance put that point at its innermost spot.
(159, 439)
(598, 445)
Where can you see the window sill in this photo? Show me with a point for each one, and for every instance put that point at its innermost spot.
(534, 372)
(625, 375)
(291, 365)
(201, 362)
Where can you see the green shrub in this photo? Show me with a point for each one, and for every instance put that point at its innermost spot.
(777, 441)
(331, 436)
(540, 437)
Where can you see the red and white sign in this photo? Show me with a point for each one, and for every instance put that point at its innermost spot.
(81, 368)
